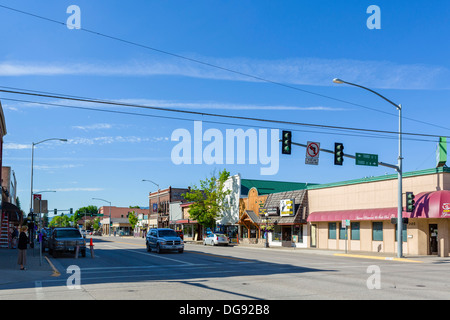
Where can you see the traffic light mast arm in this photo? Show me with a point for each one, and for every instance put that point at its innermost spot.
(347, 155)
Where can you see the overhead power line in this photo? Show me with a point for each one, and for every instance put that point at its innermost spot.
(211, 65)
(203, 114)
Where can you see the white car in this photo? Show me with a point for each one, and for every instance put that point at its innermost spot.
(215, 239)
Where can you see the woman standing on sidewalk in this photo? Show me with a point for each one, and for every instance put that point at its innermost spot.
(22, 246)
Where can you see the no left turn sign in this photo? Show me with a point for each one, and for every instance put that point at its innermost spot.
(312, 153)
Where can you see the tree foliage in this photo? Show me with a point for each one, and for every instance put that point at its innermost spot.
(133, 219)
(208, 199)
(88, 210)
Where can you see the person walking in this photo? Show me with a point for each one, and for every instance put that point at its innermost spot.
(22, 246)
(14, 238)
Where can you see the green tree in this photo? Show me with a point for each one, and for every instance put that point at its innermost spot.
(208, 199)
(60, 221)
(89, 211)
(96, 224)
(133, 219)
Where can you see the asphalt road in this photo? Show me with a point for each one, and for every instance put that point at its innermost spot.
(122, 269)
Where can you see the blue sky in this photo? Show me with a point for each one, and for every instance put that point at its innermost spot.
(303, 44)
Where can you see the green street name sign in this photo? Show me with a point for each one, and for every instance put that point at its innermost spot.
(365, 159)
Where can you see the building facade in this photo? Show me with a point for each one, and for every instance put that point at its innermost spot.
(370, 204)
(159, 204)
(118, 222)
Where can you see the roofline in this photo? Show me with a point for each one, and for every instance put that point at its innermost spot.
(380, 178)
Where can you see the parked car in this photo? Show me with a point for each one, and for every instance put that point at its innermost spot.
(66, 240)
(215, 239)
(163, 239)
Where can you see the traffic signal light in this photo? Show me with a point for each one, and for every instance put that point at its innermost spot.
(55, 211)
(286, 147)
(338, 154)
(410, 202)
(71, 211)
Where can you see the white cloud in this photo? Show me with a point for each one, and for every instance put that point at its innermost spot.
(299, 71)
(111, 139)
(64, 166)
(16, 146)
(97, 126)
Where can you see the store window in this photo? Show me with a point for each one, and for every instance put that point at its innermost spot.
(188, 230)
(354, 235)
(332, 230)
(342, 231)
(297, 235)
(276, 233)
(377, 231)
(404, 232)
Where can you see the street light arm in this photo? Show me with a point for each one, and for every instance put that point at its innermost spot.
(339, 81)
(152, 182)
(36, 143)
(102, 200)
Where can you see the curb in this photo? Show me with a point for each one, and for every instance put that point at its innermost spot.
(56, 273)
(376, 258)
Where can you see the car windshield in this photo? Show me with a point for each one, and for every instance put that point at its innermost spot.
(68, 234)
(167, 233)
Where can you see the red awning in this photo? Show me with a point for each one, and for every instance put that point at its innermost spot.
(428, 205)
(432, 205)
(185, 221)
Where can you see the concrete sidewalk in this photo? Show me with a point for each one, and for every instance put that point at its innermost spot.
(35, 270)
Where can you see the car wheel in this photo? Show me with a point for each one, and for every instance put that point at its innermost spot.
(55, 254)
(158, 250)
(180, 250)
(83, 253)
(149, 249)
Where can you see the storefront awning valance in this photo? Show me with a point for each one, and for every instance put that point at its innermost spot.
(14, 213)
(354, 215)
(434, 204)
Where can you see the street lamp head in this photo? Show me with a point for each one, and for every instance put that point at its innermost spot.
(338, 81)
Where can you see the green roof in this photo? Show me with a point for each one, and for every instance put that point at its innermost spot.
(379, 178)
(268, 187)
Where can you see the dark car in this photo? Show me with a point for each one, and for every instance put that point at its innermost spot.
(163, 239)
(66, 240)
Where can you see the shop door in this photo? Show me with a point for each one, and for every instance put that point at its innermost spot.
(313, 236)
(286, 236)
(433, 239)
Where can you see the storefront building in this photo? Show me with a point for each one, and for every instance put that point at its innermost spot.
(279, 216)
(159, 203)
(368, 205)
(239, 224)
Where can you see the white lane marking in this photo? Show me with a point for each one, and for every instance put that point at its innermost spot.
(148, 255)
(39, 290)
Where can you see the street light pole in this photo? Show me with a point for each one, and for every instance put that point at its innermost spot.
(399, 168)
(157, 199)
(110, 221)
(31, 192)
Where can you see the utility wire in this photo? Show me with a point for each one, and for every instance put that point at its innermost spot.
(375, 136)
(203, 114)
(214, 66)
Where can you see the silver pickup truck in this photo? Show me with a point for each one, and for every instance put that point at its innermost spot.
(66, 240)
(164, 239)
